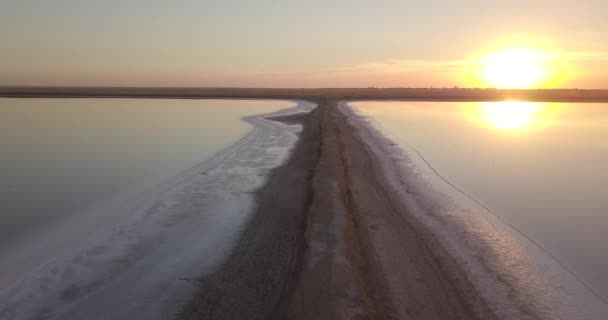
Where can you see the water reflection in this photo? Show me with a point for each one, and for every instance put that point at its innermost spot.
(511, 115)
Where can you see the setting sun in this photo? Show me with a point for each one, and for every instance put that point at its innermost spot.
(516, 68)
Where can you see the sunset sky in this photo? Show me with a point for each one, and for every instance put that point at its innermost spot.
(315, 43)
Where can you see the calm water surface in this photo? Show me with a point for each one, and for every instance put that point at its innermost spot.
(541, 166)
(62, 156)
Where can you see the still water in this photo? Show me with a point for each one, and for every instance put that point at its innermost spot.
(543, 167)
(62, 156)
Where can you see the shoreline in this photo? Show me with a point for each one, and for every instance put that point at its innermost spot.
(531, 278)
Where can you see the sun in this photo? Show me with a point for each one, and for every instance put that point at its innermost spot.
(517, 68)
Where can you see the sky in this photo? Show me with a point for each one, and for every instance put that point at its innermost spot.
(285, 43)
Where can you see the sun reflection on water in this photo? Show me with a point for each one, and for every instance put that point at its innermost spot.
(511, 115)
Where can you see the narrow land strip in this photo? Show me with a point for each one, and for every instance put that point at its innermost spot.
(328, 241)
